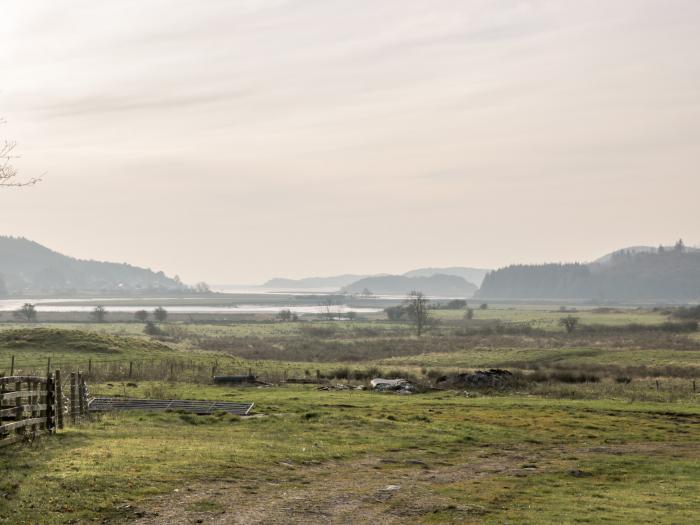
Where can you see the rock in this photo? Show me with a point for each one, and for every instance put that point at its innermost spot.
(400, 386)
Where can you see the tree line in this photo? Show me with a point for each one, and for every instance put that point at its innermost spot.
(666, 274)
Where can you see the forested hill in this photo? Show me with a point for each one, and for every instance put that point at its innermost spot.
(27, 267)
(440, 285)
(667, 275)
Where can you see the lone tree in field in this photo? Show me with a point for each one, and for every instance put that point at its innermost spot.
(328, 308)
(141, 315)
(284, 315)
(160, 314)
(416, 306)
(26, 313)
(569, 323)
(99, 314)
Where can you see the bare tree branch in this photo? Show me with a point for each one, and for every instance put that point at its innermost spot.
(8, 173)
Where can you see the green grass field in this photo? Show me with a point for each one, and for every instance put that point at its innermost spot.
(620, 449)
(456, 460)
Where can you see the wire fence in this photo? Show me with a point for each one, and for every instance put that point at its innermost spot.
(183, 369)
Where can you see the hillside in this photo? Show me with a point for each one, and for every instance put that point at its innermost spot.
(440, 285)
(335, 282)
(671, 275)
(472, 275)
(27, 267)
(640, 249)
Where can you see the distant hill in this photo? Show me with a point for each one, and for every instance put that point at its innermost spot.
(627, 275)
(472, 275)
(640, 249)
(27, 267)
(439, 284)
(335, 282)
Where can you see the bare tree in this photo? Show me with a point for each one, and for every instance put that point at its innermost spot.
(27, 312)
(141, 315)
(99, 314)
(8, 172)
(417, 309)
(328, 308)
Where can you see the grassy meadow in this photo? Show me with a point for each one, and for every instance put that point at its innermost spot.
(599, 425)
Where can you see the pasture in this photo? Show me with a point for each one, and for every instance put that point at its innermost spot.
(444, 457)
(597, 426)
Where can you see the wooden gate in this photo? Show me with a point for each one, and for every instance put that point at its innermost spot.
(29, 406)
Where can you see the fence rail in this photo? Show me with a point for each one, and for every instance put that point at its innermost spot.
(27, 407)
(32, 405)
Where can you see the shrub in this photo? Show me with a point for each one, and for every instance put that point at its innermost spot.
(151, 329)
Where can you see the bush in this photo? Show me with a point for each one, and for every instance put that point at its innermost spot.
(396, 313)
(690, 312)
(152, 330)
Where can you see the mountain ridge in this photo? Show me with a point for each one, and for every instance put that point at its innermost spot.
(27, 267)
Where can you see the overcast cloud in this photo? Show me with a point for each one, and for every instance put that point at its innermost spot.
(233, 141)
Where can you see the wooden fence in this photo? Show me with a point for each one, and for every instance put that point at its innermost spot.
(32, 405)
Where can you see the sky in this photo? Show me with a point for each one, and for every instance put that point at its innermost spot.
(235, 141)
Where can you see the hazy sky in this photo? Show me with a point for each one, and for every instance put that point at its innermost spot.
(232, 141)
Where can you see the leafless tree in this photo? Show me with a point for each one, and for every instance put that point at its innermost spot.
(8, 172)
(99, 314)
(417, 309)
(328, 308)
(27, 312)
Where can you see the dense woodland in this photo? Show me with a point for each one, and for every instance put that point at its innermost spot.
(666, 274)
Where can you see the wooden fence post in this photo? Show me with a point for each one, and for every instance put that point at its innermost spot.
(50, 411)
(34, 401)
(73, 400)
(12, 367)
(81, 396)
(85, 398)
(59, 400)
(2, 391)
(18, 403)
